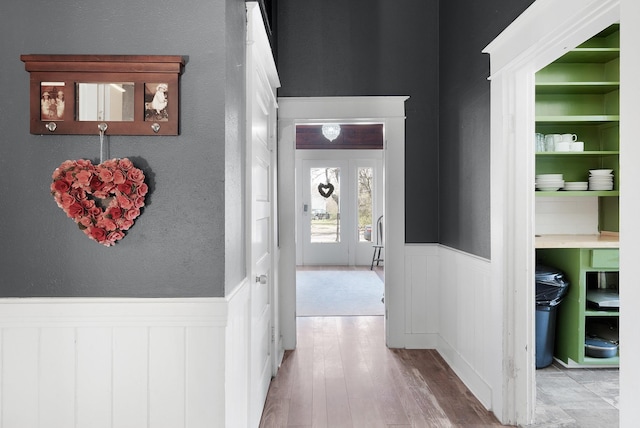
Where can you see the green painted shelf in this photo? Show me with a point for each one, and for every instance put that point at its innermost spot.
(584, 153)
(562, 193)
(576, 87)
(590, 55)
(596, 119)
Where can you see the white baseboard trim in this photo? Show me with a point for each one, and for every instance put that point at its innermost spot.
(421, 341)
(467, 373)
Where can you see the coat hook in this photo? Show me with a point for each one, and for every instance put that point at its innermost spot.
(102, 127)
(155, 127)
(51, 126)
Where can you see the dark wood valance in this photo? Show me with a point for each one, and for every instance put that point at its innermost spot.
(354, 136)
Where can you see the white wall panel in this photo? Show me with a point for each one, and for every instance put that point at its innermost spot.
(237, 367)
(121, 363)
(20, 377)
(93, 377)
(469, 321)
(166, 377)
(204, 399)
(130, 377)
(450, 307)
(57, 380)
(422, 292)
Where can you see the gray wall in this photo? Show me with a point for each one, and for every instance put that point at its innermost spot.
(431, 51)
(379, 47)
(187, 241)
(466, 28)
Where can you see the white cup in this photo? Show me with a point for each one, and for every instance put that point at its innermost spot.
(577, 146)
(563, 146)
(569, 137)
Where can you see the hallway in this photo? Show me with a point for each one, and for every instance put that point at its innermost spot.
(343, 375)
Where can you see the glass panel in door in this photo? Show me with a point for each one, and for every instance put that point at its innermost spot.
(325, 204)
(365, 202)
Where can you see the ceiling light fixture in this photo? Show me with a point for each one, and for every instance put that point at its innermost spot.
(331, 131)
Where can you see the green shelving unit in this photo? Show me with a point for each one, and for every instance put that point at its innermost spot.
(579, 94)
(581, 266)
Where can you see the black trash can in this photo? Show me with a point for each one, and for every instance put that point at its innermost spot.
(551, 287)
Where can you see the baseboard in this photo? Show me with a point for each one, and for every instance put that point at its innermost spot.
(466, 372)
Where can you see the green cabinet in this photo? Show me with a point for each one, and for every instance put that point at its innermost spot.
(576, 317)
(579, 94)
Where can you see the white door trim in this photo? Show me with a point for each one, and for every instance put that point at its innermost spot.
(386, 110)
(540, 35)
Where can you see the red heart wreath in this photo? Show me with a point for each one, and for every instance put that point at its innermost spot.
(81, 189)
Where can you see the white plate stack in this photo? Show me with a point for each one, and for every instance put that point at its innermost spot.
(600, 179)
(576, 185)
(549, 182)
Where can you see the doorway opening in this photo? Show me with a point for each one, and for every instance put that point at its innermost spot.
(339, 189)
(388, 111)
(516, 55)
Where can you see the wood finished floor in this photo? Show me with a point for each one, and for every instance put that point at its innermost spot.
(342, 375)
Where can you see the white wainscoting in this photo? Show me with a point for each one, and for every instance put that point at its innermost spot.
(153, 363)
(422, 296)
(470, 322)
(452, 307)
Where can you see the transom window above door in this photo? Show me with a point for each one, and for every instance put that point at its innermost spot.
(343, 136)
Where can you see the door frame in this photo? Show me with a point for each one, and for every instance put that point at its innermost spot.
(386, 110)
(530, 43)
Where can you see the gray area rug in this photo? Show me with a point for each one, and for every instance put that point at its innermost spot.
(338, 293)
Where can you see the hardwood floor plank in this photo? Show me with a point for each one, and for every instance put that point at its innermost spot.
(319, 402)
(275, 413)
(365, 413)
(338, 410)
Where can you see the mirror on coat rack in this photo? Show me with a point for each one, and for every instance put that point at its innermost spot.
(133, 94)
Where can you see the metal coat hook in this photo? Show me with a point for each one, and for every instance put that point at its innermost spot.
(102, 127)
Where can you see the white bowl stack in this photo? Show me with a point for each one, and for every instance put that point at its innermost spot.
(549, 182)
(576, 185)
(600, 179)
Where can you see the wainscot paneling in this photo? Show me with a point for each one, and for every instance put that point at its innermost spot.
(451, 307)
(421, 296)
(123, 362)
(470, 321)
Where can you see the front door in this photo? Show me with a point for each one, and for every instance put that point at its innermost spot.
(326, 217)
(341, 201)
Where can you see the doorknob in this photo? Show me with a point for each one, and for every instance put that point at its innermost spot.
(262, 279)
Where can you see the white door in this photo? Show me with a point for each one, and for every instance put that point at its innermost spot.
(261, 137)
(261, 269)
(326, 219)
(340, 202)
